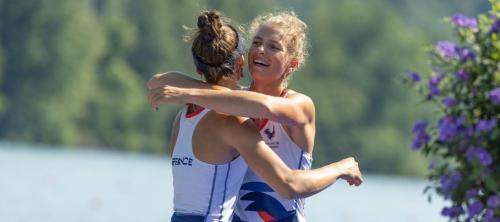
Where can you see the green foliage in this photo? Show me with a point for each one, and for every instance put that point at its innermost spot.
(49, 68)
(352, 44)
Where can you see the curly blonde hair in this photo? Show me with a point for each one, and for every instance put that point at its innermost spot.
(294, 32)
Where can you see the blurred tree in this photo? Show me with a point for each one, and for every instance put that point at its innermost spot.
(366, 45)
(49, 68)
(74, 72)
(119, 98)
(3, 104)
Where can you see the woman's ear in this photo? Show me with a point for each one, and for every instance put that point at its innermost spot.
(241, 61)
(294, 64)
(239, 67)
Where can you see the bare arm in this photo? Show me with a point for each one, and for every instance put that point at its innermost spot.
(179, 79)
(288, 183)
(296, 109)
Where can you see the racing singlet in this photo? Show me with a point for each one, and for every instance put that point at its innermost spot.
(202, 191)
(257, 201)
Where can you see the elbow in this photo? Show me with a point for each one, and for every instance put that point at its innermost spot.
(154, 82)
(292, 190)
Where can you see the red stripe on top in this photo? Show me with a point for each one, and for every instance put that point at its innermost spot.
(195, 112)
(262, 122)
(265, 216)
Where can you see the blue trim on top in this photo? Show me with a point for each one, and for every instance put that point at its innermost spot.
(178, 217)
(299, 167)
(225, 186)
(257, 186)
(211, 193)
(300, 161)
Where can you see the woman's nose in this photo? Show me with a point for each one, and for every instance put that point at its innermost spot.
(260, 49)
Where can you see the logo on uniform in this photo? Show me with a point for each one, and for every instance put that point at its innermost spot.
(269, 133)
(267, 207)
(186, 161)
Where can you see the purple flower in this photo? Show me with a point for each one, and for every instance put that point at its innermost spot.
(489, 215)
(493, 201)
(449, 127)
(460, 20)
(462, 75)
(467, 54)
(413, 76)
(475, 208)
(449, 182)
(481, 154)
(421, 136)
(447, 49)
(470, 154)
(485, 125)
(495, 27)
(420, 139)
(419, 126)
(484, 157)
(450, 102)
(471, 193)
(495, 96)
(434, 86)
(452, 212)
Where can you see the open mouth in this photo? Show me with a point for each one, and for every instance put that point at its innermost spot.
(259, 62)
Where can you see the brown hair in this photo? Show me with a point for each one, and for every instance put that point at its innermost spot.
(215, 46)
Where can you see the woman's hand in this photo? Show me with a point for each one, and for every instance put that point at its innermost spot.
(350, 171)
(166, 94)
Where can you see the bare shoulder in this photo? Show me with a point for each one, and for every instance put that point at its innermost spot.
(304, 101)
(292, 94)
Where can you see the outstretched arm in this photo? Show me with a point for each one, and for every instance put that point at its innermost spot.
(289, 183)
(178, 79)
(296, 109)
(158, 82)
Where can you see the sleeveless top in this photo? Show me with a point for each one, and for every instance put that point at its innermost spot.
(202, 190)
(257, 201)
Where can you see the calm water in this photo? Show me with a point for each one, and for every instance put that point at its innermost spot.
(52, 185)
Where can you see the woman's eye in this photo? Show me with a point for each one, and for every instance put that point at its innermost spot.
(273, 47)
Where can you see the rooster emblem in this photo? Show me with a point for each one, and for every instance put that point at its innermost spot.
(269, 133)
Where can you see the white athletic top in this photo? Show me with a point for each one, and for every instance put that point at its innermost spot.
(257, 201)
(200, 188)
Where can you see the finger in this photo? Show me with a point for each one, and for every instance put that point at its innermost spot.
(157, 97)
(151, 103)
(152, 95)
(358, 182)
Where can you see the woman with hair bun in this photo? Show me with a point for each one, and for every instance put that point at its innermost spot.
(211, 150)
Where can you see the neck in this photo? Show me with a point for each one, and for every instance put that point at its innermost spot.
(228, 83)
(274, 89)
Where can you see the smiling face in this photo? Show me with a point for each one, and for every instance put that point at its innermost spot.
(268, 59)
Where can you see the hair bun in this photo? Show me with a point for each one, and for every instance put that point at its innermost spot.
(209, 24)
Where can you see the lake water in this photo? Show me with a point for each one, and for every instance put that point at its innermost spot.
(39, 184)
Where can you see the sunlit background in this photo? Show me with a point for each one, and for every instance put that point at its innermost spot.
(80, 142)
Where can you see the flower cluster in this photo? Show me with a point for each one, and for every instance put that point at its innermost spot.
(464, 140)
